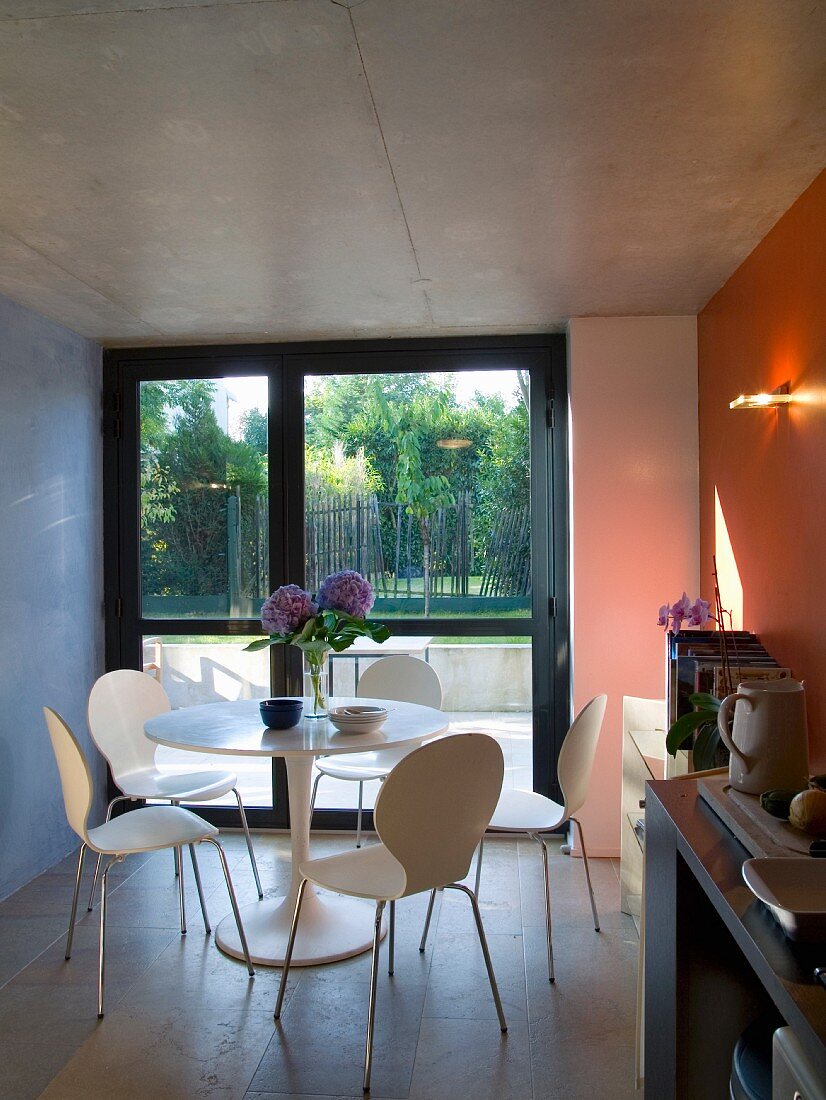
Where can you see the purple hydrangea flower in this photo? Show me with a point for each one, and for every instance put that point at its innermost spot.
(347, 591)
(287, 609)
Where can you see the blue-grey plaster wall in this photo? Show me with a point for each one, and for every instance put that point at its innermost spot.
(51, 575)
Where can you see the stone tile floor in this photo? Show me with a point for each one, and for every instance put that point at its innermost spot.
(184, 1021)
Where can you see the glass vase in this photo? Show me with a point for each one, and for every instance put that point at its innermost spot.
(315, 685)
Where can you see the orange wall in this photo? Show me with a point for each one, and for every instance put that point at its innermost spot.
(766, 326)
(635, 539)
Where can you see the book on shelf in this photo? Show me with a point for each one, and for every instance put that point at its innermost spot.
(741, 672)
(695, 663)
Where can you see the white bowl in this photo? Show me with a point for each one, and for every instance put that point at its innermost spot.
(794, 890)
(359, 710)
(358, 719)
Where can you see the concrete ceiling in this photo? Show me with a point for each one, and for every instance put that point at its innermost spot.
(178, 170)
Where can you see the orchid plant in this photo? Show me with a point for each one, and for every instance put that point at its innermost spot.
(674, 615)
(701, 724)
(332, 620)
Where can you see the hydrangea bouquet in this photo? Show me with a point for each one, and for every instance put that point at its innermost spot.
(330, 621)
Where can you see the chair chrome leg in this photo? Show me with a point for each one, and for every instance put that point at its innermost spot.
(71, 933)
(430, 904)
(109, 808)
(371, 1011)
(181, 890)
(483, 941)
(587, 873)
(233, 901)
(316, 782)
(288, 955)
(197, 873)
(391, 940)
(358, 823)
(479, 865)
(104, 885)
(250, 848)
(548, 929)
(176, 854)
(90, 906)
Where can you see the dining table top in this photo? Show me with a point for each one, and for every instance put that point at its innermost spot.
(236, 729)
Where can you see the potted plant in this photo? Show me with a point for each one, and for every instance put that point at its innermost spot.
(697, 729)
(330, 621)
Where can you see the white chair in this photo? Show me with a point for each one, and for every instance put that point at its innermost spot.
(145, 830)
(522, 811)
(119, 704)
(430, 814)
(403, 679)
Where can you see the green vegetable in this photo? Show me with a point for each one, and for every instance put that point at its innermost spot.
(777, 803)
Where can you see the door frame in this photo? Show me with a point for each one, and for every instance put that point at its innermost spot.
(545, 356)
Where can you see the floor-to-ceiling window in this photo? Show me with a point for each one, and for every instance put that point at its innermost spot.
(435, 469)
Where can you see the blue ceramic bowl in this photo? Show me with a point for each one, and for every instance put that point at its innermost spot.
(281, 714)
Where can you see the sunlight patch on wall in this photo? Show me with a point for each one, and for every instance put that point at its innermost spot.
(731, 587)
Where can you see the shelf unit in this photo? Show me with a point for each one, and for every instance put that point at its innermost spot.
(643, 758)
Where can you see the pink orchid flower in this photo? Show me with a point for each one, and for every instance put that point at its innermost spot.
(663, 619)
(679, 611)
(698, 613)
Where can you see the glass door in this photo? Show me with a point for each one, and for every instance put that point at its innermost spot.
(421, 482)
(198, 479)
(433, 475)
(436, 469)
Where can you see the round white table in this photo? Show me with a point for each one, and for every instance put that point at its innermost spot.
(332, 927)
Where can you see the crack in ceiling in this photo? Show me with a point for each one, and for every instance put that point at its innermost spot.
(154, 9)
(420, 277)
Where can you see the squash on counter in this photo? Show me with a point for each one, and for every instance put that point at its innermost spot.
(808, 812)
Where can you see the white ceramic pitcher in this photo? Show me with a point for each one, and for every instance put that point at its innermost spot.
(767, 738)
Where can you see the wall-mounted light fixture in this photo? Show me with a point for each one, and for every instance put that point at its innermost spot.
(779, 396)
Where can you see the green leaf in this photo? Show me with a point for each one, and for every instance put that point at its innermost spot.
(705, 747)
(316, 647)
(683, 728)
(262, 643)
(705, 701)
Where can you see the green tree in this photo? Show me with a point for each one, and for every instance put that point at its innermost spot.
(422, 493)
(195, 542)
(254, 430)
(334, 471)
(494, 469)
(189, 470)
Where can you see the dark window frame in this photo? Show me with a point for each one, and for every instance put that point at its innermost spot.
(285, 365)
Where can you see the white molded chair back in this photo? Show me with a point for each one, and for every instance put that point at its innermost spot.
(576, 757)
(435, 805)
(403, 678)
(75, 777)
(119, 705)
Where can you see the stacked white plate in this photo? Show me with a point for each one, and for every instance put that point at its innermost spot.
(358, 718)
